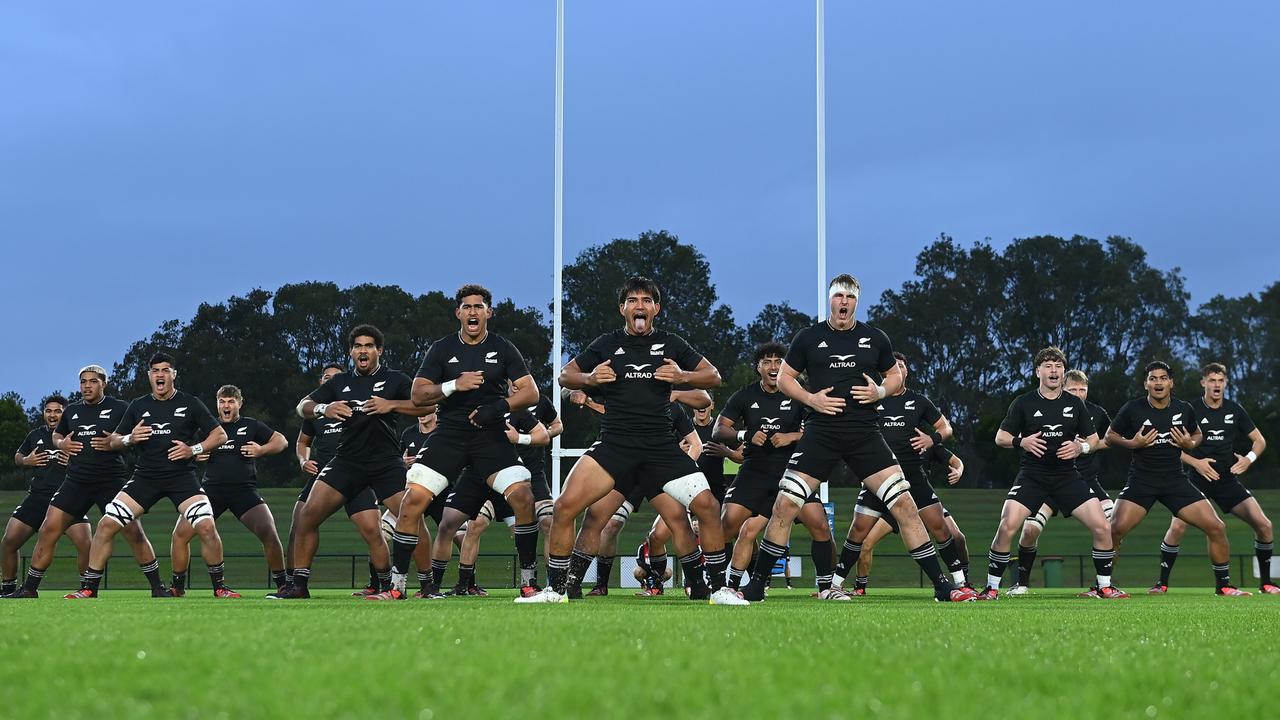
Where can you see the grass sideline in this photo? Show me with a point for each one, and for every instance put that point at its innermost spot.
(977, 511)
(892, 654)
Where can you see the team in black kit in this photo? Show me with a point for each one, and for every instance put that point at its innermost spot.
(476, 450)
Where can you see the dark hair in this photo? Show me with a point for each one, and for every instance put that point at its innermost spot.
(1050, 354)
(365, 329)
(54, 398)
(230, 391)
(1157, 365)
(899, 356)
(473, 289)
(335, 366)
(769, 349)
(162, 357)
(638, 284)
(1213, 367)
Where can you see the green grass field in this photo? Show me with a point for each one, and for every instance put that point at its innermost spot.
(891, 654)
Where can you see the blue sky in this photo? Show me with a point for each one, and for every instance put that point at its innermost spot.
(153, 157)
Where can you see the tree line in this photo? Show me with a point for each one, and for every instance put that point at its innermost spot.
(969, 321)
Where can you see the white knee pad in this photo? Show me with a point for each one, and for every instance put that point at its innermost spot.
(197, 512)
(544, 509)
(506, 477)
(486, 510)
(387, 523)
(420, 474)
(892, 490)
(623, 512)
(794, 488)
(119, 512)
(686, 488)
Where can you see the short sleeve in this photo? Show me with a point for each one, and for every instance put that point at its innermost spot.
(733, 409)
(64, 425)
(261, 433)
(682, 353)
(404, 387)
(1189, 421)
(929, 413)
(308, 428)
(1103, 422)
(1085, 426)
(524, 421)
(941, 454)
(516, 366)
(127, 420)
(795, 358)
(1012, 422)
(1244, 423)
(204, 419)
(886, 360)
(28, 444)
(1122, 424)
(591, 356)
(325, 393)
(680, 419)
(546, 410)
(432, 367)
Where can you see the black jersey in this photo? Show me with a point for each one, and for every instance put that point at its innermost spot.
(900, 415)
(753, 409)
(939, 454)
(712, 467)
(326, 435)
(182, 417)
(449, 357)
(412, 440)
(533, 457)
(1163, 458)
(227, 466)
(1089, 466)
(1059, 420)
(838, 359)
(681, 424)
(45, 478)
(638, 406)
(1223, 429)
(367, 439)
(83, 422)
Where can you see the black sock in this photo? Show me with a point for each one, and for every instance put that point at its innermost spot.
(950, 553)
(558, 572)
(92, 578)
(1026, 563)
(152, 571)
(1263, 552)
(179, 581)
(769, 555)
(466, 575)
(424, 580)
(527, 544)
(604, 568)
(301, 576)
(34, 576)
(288, 574)
(279, 578)
(692, 566)
(1222, 575)
(997, 562)
(735, 577)
(822, 552)
(382, 580)
(578, 564)
(658, 564)
(1103, 562)
(437, 571)
(717, 563)
(1168, 556)
(927, 558)
(860, 583)
(402, 547)
(849, 554)
(215, 574)
(373, 574)
(8, 586)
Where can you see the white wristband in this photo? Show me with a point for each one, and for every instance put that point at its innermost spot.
(524, 439)
(127, 440)
(197, 449)
(449, 388)
(1085, 448)
(742, 435)
(319, 408)
(881, 392)
(1253, 457)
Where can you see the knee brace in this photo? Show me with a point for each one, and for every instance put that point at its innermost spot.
(623, 512)
(892, 490)
(544, 509)
(197, 512)
(486, 510)
(506, 477)
(1039, 519)
(387, 524)
(420, 474)
(686, 488)
(793, 488)
(119, 512)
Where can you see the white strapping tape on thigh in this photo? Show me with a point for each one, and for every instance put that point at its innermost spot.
(624, 511)
(422, 475)
(544, 509)
(198, 511)
(794, 488)
(892, 490)
(686, 488)
(119, 512)
(506, 477)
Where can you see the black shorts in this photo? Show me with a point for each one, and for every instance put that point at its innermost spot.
(869, 504)
(33, 507)
(1063, 492)
(818, 451)
(1227, 491)
(648, 466)
(541, 488)
(1174, 492)
(718, 488)
(75, 497)
(358, 504)
(239, 499)
(756, 488)
(921, 492)
(147, 491)
(1096, 489)
(351, 478)
(469, 495)
(449, 451)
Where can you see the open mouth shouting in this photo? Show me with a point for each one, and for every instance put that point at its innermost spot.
(640, 322)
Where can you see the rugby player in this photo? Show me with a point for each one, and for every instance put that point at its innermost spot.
(163, 426)
(467, 374)
(47, 466)
(637, 367)
(231, 483)
(368, 456)
(911, 426)
(1090, 468)
(1215, 471)
(1158, 429)
(95, 473)
(840, 356)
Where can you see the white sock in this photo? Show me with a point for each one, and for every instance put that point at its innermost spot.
(958, 578)
(993, 582)
(837, 580)
(398, 580)
(1103, 581)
